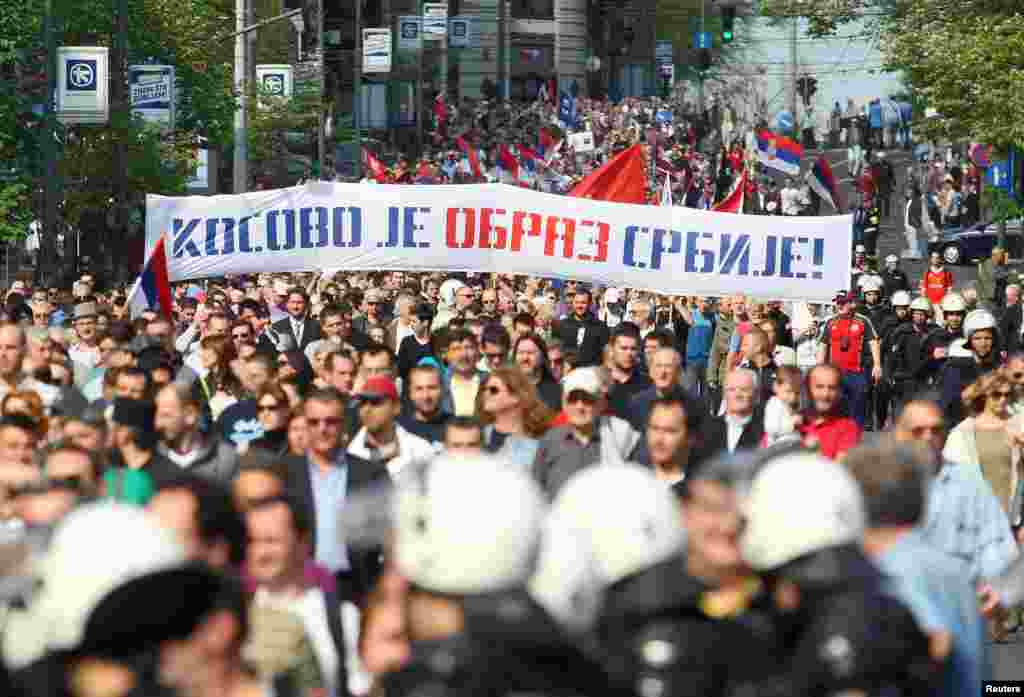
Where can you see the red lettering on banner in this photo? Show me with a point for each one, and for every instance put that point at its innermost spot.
(568, 236)
(500, 231)
(536, 225)
(603, 233)
(469, 231)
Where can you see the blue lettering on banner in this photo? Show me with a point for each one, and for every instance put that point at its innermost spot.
(273, 227)
(307, 226)
(355, 227)
(183, 238)
(727, 254)
(411, 227)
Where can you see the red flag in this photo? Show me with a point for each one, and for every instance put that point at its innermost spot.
(528, 154)
(622, 179)
(733, 203)
(471, 153)
(508, 161)
(376, 167)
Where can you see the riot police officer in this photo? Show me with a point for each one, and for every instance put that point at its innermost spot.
(841, 632)
(896, 316)
(473, 626)
(655, 629)
(954, 309)
(905, 359)
(893, 277)
(970, 358)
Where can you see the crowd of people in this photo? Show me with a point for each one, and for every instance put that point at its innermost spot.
(397, 483)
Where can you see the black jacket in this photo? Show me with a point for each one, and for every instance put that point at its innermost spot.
(849, 634)
(956, 375)
(595, 338)
(310, 331)
(362, 476)
(707, 656)
(716, 436)
(622, 393)
(1009, 328)
(894, 281)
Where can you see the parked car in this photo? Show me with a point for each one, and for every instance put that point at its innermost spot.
(961, 246)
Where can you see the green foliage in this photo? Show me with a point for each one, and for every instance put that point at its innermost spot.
(282, 134)
(1002, 205)
(15, 210)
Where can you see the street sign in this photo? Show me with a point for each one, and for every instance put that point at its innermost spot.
(435, 20)
(275, 80)
(663, 53)
(83, 77)
(702, 39)
(152, 93)
(410, 28)
(376, 50)
(463, 32)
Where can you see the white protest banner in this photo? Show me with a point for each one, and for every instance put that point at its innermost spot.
(507, 229)
(435, 20)
(376, 50)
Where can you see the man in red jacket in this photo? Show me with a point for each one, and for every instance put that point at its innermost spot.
(822, 425)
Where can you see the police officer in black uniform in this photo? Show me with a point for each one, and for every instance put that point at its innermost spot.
(906, 360)
(659, 631)
(474, 627)
(841, 633)
(893, 277)
(954, 309)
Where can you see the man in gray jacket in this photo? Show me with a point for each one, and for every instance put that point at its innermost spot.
(590, 436)
(182, 441)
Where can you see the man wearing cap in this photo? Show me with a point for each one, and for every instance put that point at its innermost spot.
(297, 325)
(380, 439)
(374, 302)
(589, 437)
(850, 343)
(86, 351)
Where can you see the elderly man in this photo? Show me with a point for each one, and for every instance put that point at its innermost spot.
(823, 425)
(741, 426)
(589, 437)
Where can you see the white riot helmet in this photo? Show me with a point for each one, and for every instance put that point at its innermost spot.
(954, 302)
(900, 298)
(871, 284)
(567, 583)
(467, 525)
(631, 518)
(860, 249)
(81, 568)
(779, 532)
(921, 303)
(978, 320)
(892, 260)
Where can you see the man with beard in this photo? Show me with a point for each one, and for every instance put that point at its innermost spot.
(824, 425)
(422, 414)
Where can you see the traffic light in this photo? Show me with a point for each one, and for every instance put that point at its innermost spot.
(703, 59)
(728, 24)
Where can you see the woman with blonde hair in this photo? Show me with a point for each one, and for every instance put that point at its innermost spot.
(513, 415)
(985, 440)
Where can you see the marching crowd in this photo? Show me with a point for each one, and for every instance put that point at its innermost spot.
(394, 483)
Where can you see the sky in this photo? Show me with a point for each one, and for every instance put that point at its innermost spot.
(842, 65)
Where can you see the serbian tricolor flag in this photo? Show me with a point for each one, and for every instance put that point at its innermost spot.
(471, 154)
(375, 166)
(779, 152)
(508, 161)
(820, 179)
(622, 179)
(733, 203)
(152, 290)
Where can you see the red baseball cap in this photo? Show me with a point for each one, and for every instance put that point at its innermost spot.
(378, 387)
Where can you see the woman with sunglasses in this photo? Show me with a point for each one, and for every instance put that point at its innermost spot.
(513, 415)
(272, 411)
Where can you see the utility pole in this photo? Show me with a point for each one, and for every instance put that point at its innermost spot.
(502, 32)
(48, 235)
(357, 83)
(241, 150)
(700, 74)
(120, 116)
(321, 144)
(419, 83)
(795, 69)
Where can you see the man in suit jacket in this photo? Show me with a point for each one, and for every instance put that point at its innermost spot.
(742, 425)
(302, 329)
(323, 480)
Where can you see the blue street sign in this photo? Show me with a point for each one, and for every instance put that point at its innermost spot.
(702, 39)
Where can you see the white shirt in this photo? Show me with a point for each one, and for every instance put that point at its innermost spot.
(297, 330)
